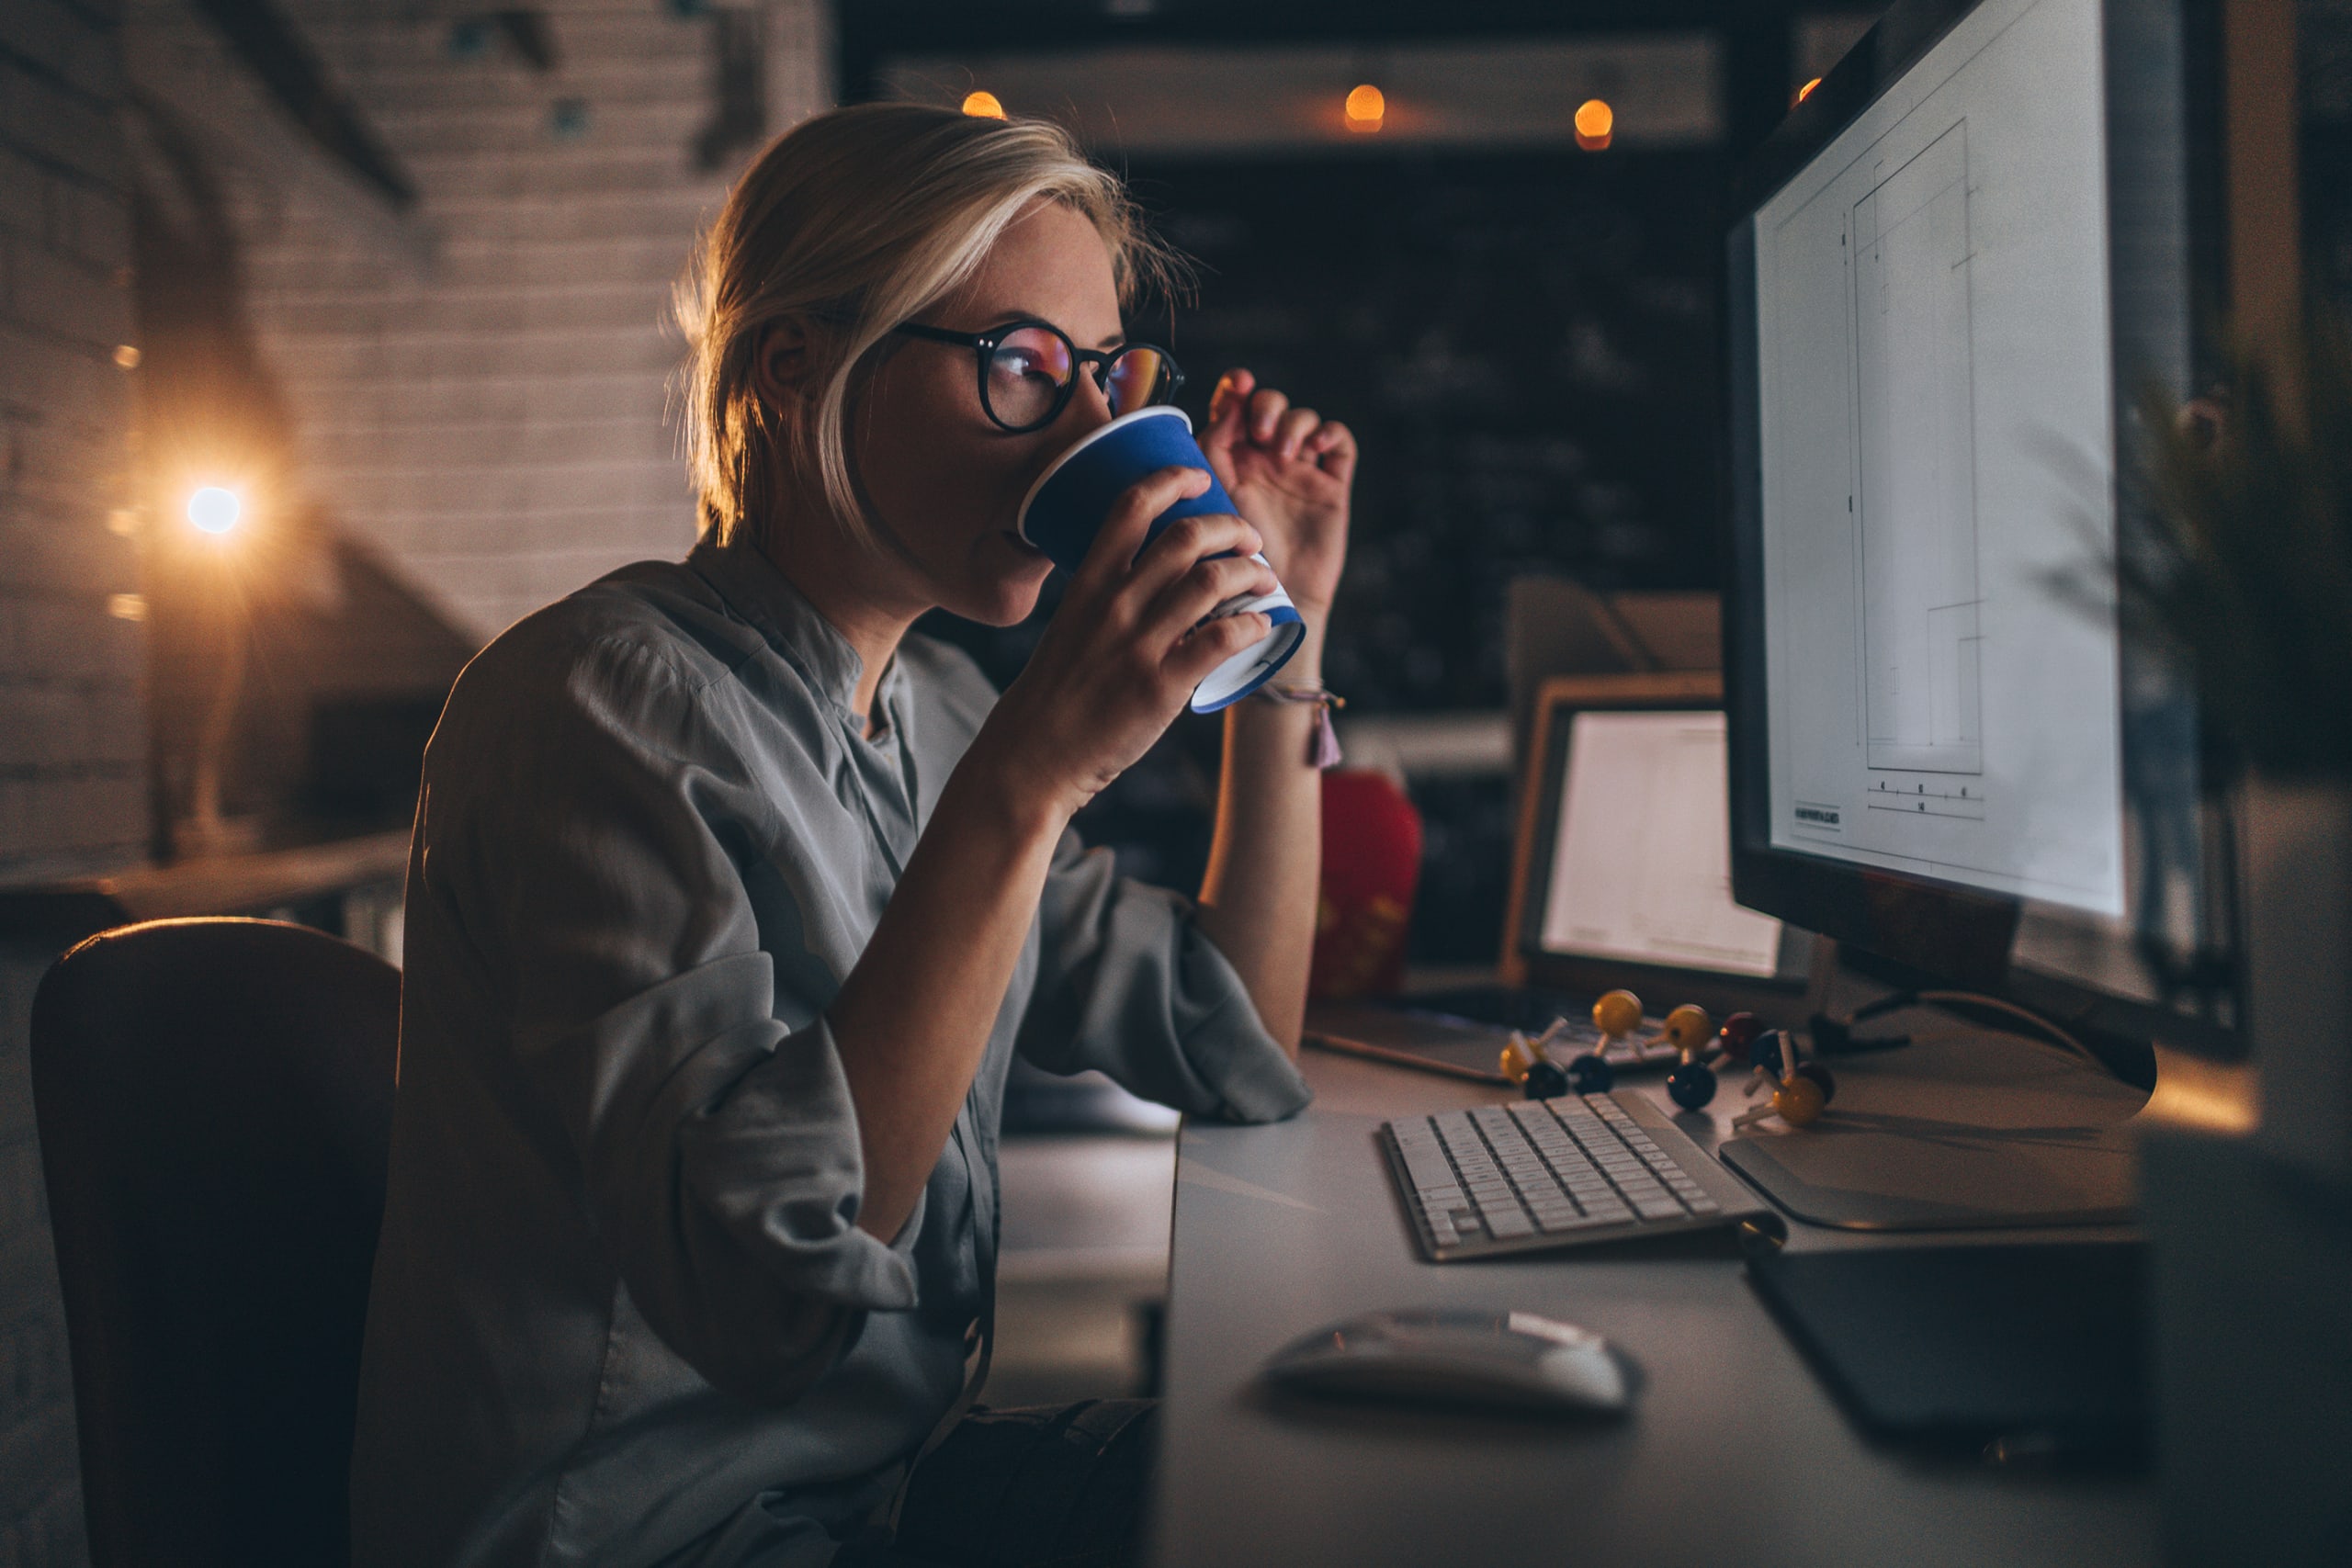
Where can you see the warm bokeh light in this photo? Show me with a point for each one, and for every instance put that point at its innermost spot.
(1806, 91)
(1596, 122)
(983, 105)
(126, 357)
(214, 510)
(1367, 108)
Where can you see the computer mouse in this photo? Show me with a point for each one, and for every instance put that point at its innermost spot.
(1516, 1359)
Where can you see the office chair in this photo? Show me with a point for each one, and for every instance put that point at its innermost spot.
(215, 1106)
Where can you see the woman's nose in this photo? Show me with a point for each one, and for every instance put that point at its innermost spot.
(1089, 405)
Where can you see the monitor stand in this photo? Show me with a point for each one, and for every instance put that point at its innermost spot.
(1964, 1129)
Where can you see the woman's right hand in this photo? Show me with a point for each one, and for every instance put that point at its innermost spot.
(1126, 648)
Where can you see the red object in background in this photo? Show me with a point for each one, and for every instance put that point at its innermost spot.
(1372, 862)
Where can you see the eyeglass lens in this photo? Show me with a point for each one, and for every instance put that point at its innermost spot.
(1136, 379)
(1026, 375)
(1032, 366)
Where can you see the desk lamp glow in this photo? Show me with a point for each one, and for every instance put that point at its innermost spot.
(215, 511)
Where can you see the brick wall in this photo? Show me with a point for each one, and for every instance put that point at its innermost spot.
(479, 387)
(484, 401)
(73, 730)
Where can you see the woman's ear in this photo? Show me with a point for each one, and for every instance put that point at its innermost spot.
(781, 365)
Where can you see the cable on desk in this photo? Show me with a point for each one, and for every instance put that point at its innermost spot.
(1832, 1037)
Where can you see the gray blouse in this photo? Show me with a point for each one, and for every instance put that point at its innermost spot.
(622, 1311)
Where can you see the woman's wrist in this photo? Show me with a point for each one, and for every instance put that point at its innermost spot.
(1305, 666)
(995, 784)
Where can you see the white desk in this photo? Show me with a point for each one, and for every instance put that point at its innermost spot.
(1735, 1454)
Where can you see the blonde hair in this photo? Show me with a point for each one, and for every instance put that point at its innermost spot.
(855, 222)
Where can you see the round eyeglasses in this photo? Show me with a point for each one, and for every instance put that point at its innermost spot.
(1028, 370)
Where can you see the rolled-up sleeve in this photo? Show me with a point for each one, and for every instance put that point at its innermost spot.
(599, 872)
(1129, 985)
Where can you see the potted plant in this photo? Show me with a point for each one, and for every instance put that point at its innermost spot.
(2239, 563)
(2243, 567)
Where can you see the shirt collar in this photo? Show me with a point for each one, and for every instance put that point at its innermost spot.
(755, 590)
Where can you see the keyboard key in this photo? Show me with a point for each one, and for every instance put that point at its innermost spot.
(1422, 1157)
(1508, 1228)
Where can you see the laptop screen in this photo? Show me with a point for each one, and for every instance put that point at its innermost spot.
(1641, 858)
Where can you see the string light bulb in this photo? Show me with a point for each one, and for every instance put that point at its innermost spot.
(983, 105)
(214, 508)
(1805, 92)
(1596, 122)
(1367, 107)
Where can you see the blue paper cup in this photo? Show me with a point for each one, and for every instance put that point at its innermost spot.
(1066, 508)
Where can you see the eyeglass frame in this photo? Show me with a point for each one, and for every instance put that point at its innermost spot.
(985, 344)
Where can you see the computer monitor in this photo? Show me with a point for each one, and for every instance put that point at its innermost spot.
(1621, 867)
(1641, 869)
(1956, 268)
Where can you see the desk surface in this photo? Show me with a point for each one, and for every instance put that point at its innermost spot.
(1735, 1453)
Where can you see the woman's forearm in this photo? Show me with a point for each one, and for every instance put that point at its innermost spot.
(1265, 865)
(913, 1018)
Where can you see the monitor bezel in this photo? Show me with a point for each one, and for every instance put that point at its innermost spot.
(2162, 178)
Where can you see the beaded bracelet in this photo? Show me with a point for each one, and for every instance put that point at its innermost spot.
(1323, 750)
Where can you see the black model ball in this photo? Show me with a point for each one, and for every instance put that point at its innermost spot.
(1588, 1073)
(1691, 1085)
(1545, 1081)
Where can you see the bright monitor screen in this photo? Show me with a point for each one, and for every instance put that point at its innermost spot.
(1936, 441)
(1641, 863)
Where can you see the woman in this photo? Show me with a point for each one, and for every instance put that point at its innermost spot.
(730, 901)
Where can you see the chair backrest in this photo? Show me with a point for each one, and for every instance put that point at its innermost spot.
(215, 1105)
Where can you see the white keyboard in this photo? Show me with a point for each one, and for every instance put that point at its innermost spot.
(1540, 1174)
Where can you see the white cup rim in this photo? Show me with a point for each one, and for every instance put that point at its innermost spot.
(1021, 518)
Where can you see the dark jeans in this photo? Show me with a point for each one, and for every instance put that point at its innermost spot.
(1035, 1488)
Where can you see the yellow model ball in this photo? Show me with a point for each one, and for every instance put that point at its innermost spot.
(1617, 1014)
(1687, 1028)
(1799, 1101)
(1518, 1057)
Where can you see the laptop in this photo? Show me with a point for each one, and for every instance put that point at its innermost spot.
(1621, 876)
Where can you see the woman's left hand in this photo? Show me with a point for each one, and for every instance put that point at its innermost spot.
(1289, 471)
